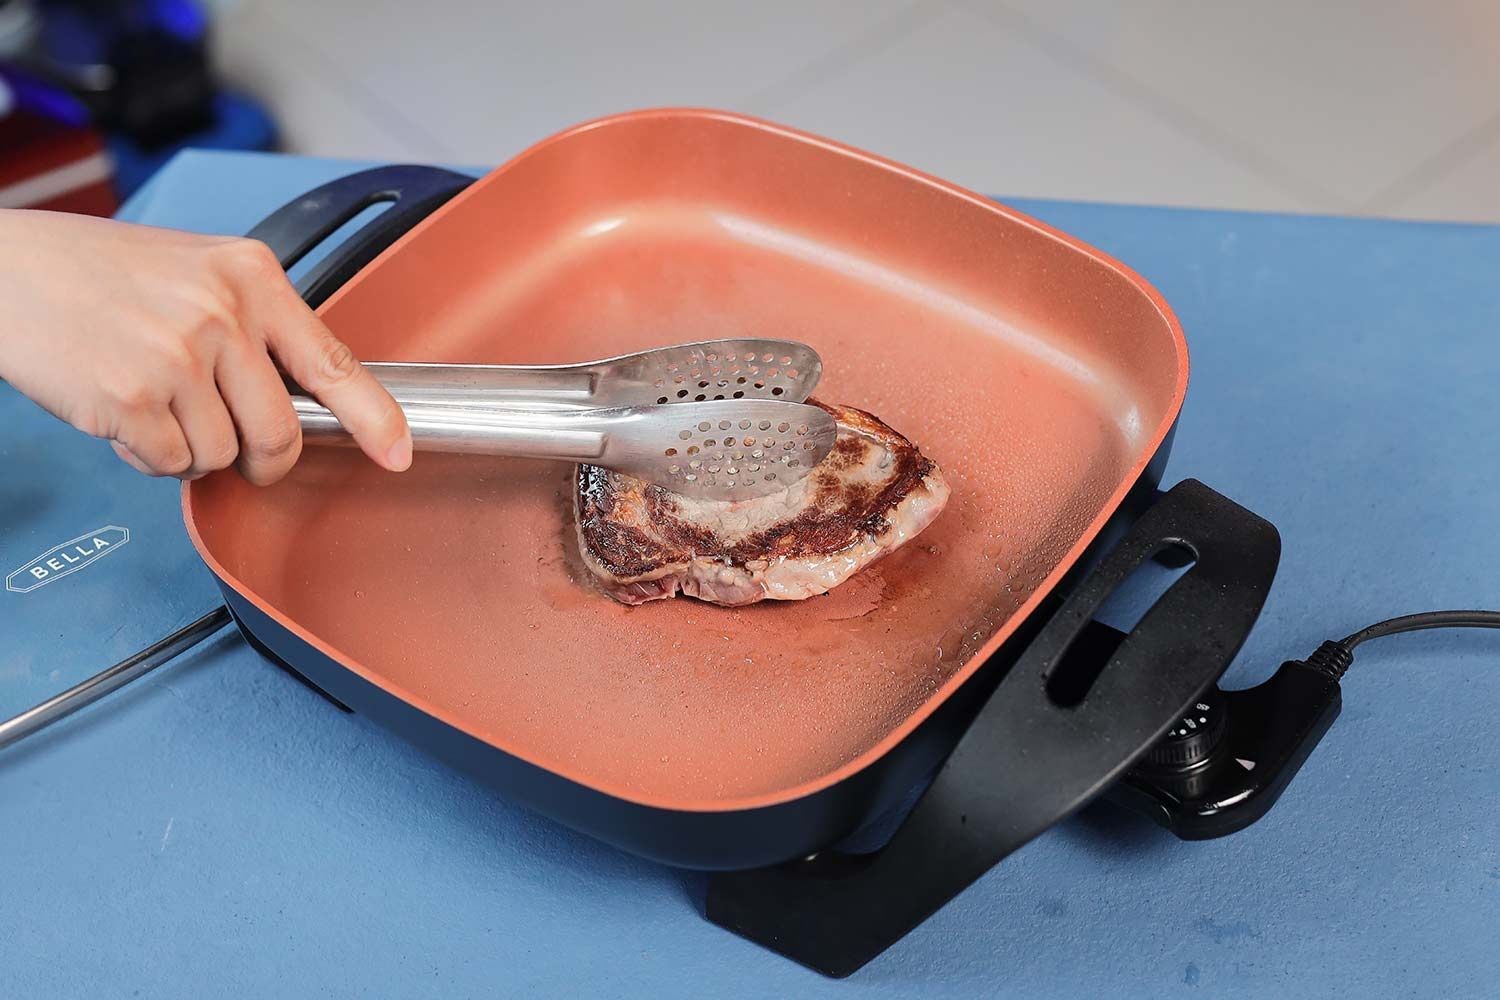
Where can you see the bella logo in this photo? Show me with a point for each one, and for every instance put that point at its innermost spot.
(69, 557)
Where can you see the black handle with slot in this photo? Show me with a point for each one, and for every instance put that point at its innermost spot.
(1027, 761)
(293, 230)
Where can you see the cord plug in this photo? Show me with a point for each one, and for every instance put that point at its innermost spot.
(1331, 658)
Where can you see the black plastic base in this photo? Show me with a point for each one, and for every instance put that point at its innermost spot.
(1267, 733)
(1078, 709)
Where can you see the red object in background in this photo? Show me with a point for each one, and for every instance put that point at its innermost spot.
(44, 164)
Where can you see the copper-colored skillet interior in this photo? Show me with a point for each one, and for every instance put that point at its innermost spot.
(1040, 375)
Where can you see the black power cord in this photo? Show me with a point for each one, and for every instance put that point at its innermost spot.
(1333, 658)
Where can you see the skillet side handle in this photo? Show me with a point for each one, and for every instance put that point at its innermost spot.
(1026, 761)
(295, 228)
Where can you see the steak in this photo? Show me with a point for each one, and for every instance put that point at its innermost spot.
(872, 494)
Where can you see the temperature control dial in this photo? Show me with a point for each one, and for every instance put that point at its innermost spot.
(1193, 737)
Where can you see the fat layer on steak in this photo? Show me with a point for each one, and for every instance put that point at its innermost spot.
(873, 493)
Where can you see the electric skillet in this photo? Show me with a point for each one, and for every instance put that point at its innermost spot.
(764, 743)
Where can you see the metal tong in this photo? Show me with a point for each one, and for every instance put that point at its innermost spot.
(721, 420)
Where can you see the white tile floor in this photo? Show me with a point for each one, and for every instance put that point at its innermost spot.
(1376, 107)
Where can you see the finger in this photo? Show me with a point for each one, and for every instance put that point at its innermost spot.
(128, 457)
(270, 438)
(205, 423)
(157, 441)
(325, 367)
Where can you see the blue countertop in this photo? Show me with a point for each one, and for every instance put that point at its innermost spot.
(218, 829)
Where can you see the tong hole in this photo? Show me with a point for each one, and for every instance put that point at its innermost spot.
(662, 399)
(776, 391)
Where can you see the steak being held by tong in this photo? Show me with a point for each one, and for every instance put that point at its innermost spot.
(873, 493)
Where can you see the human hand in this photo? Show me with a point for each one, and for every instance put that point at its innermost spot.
(162, 342)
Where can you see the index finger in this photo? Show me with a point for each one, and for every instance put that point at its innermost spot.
(326, 367)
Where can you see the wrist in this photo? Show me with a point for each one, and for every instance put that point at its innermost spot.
(14, 285)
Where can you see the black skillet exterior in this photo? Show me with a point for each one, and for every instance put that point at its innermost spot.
(739, 839)
(1079, 704)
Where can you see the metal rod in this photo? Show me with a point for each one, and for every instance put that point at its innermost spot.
(570, 435)
(33, 720)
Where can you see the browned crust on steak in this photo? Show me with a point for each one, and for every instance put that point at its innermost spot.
(841, 511)
(623, 549)
(839, 514)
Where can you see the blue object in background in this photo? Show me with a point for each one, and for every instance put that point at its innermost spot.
(219, 829)
(135, 69)
(39, 98)
(240, 123)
